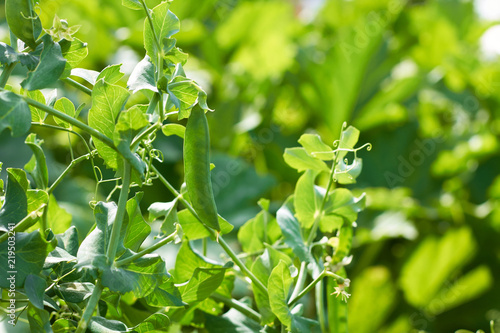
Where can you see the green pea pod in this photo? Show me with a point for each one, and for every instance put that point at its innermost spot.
(197, 168)
(23, 21)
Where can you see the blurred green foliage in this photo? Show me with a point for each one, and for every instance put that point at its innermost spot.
(410, 75)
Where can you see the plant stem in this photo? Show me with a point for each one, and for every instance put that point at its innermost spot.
(78, 86)
(148, 250)
(70, 120)
(294, 299)
(137, 140)
(89, 309)
(314, 228)
(311, 285)
(120, 213)
(6, 74)
(68, 169)
(222, 242)
(25, 223)
(150, 20)
(241, 307)
(320, 305)
(300, 280)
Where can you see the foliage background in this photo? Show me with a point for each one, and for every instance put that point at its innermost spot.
(417, 78)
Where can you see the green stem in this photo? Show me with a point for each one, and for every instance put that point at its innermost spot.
(300, 280)
(71, 120)
(320, 306)
(150, 20)
(68, 169)
(307, 289)
(241, 307)
(148, 250)
(6, 74)
(314, 229)
(294, 299)
(120, 213)
(89, 309)
(137, 140)
(25, 223)
(78, 86)
(222, 242)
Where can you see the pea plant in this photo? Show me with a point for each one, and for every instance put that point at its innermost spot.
(292, 262)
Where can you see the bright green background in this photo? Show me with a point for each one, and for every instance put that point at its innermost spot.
(410, 76)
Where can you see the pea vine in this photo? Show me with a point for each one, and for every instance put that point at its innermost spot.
(62, 284)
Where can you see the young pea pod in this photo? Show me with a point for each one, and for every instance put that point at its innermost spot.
(197, 168)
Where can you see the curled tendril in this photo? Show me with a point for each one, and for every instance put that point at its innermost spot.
(99, 180)
(92, 204)
(156, 154)
(336, 143)
(367, 145)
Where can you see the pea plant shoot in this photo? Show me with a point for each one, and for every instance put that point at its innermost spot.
(289, 260)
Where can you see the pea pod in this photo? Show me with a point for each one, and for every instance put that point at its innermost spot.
(197, 168)
(23, 21)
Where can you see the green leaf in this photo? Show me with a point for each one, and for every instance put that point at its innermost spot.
(107, 101)
(188, 260)
(14, 113)
(298, 159)
(74, 292)
(88, 75)
(73, 51)
(35, 290)
(301, 324)
(111, 74)
(64, 326)
(167, 209)
(263, 228)
(99, 324)
(316, 147)
(233, 321)
(183, 93)
(31, 251)
(130, 123)
(348, 140)
(202, 284)
(39, 320)
(23, 21)
(278, 286)
(341, 206)
(37, 115)
(37, 166)
(347, 173)
(141, 276)
(143, 76)
(291, 231)
(193, 229)
(49, 69)
(308, 199)
(165, 24)
(132, 4)
(136, 229)
(174, 129)
(15, 206)
(69, 240)
(7, 54)
(463, 290)
(59, 219)
(91, 253)
(456, 248)
(167, 294)
(157, 322)
(65, 106)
